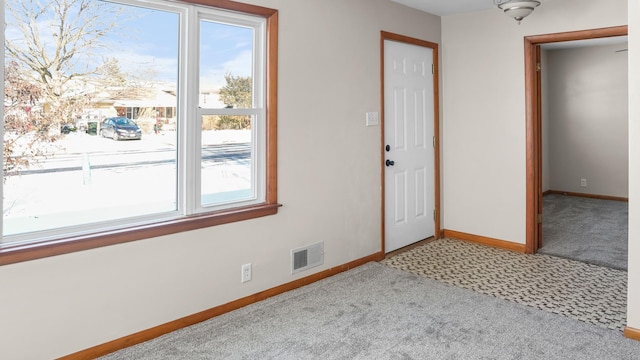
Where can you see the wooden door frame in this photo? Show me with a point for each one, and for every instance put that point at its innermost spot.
(534, 121)
(436, 126)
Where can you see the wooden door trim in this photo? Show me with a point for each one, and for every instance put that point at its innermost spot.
(384, 35)
(534, 121)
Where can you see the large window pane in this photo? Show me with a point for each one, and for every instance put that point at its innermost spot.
(70, 159)
(226, 87)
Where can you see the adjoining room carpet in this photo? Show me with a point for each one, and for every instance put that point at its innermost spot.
(377, 312)
(589, 230)
(593, 294)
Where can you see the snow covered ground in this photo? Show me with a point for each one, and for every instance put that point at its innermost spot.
(50, 198)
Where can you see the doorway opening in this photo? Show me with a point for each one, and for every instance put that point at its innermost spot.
(534, 135)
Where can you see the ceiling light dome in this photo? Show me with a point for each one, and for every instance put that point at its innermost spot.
(517, 9)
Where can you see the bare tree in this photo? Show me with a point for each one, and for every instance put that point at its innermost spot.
(53, 52)
(49, 48)
(57, 40)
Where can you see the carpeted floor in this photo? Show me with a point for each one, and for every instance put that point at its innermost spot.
(378, 312)
(584, 229)
(581, 291)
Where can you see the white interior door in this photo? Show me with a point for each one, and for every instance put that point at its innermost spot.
(409, 144)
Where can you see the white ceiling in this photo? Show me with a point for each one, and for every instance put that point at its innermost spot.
(451, 7)
(448, 7)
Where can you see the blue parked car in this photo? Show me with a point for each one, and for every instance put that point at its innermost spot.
(120, 128)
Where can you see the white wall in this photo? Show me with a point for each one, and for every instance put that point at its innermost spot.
(633, 287)
(329, 184)
(484, 119)
(484, 110)
(588, 116)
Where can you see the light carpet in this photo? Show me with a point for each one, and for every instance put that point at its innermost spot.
(377, 312)
(584, 229)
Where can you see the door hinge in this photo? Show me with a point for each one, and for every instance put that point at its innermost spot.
(538, 66)
(434, 142)
(539, 218)
(433, 69)
(435, 213)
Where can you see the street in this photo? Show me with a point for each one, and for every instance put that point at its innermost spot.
(102, 153)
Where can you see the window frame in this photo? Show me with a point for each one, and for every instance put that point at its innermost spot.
(41, 248)
(256, 110)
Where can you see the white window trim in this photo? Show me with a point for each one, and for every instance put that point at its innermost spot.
(258, 113)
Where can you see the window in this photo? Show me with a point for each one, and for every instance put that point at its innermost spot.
(158, 117)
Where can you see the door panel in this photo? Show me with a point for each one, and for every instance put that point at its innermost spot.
(400, 205)
(408, 130)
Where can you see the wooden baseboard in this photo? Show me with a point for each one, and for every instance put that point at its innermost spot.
(145, 335)
(590, 196)
(631, 333)
(502, 244)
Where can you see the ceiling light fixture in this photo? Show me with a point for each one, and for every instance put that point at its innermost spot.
(518, 10)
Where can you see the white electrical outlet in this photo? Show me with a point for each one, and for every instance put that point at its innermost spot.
(246, 272)
(583, 182)
(372, 119)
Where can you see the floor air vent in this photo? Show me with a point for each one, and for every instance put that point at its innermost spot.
(307, 257)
